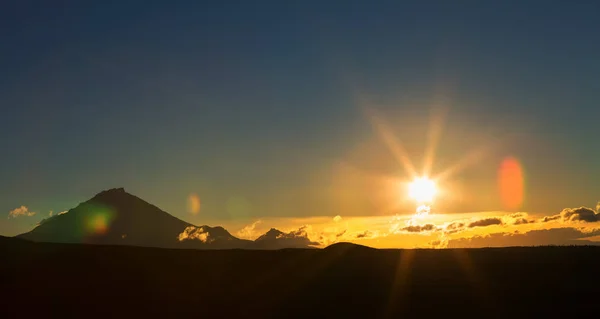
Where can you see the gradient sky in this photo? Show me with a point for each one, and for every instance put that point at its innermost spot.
(259, 109)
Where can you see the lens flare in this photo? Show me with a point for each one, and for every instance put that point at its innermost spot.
(98, 223)
(511, 183)
(193, 204)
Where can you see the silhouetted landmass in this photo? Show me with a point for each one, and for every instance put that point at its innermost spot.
(276, 239)
(115, 217)
(341, 281)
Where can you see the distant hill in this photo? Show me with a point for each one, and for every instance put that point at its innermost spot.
(115, 217)
(341, 281)
(276, 239)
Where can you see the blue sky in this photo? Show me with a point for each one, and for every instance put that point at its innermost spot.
(260, 102)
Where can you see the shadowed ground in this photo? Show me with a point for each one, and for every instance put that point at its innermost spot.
(343, 280)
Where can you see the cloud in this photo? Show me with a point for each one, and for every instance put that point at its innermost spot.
(193, 232)
(454, 227)
(486, 222)
(249, 231)
(420, 228)
(581, 214)
(63, 212)
(543, 237)
(51, 213)
(337, 218)
(521, 221)
(550, 218)
(365, 234)
(20, 211)
(506, 220)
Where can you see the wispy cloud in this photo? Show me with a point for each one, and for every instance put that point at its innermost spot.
(367, 234)
(20, 211)
(249, 231)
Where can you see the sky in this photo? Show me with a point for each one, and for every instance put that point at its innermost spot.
(289, 112)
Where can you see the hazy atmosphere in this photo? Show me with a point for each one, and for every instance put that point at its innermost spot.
(315, 120)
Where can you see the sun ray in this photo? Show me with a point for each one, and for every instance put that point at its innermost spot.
(392, 142)
(471, 158)
(436, 126)
(400, 288)
(480, 287)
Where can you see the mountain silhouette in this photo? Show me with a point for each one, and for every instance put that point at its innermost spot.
(276, 239)
(115, 217)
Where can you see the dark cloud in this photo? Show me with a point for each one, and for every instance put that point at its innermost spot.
(550, 218)
(365, 234)
(521, 221)
(455, 227)
(486, 222)
(419, 228)
(580, 214)
(340, 234)
(554, 236)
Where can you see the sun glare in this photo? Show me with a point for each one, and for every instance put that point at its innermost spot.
(422, 190)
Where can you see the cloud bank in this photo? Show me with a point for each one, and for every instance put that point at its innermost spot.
(542, 237)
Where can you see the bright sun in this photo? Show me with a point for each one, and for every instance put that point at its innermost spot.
(422, 190)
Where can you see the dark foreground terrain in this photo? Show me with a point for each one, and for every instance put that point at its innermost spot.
(341, 281)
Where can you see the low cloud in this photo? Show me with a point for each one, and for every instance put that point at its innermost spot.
(454, 227)
(486, 222)
(420, 228)
(249, 231)
(550, 218)
(20, 211)
(544, 237)
(364, 234)
(581, 214)
(193, 232)
(521, 221)
(63, 212)
(506, 220)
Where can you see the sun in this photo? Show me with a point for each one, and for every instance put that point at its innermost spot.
(422, 190)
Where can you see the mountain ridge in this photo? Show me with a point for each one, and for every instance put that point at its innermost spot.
(116, 217)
